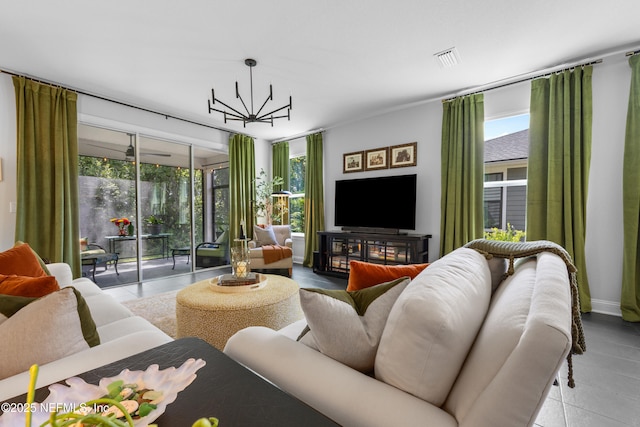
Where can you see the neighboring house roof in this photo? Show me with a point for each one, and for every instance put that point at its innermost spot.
(514, 146)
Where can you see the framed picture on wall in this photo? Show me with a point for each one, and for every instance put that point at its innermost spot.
(376, 159)
(403, 155)
(353, 162)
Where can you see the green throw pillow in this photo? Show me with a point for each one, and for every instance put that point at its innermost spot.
(347, 326)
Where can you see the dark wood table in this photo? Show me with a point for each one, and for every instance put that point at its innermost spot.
(223, 389)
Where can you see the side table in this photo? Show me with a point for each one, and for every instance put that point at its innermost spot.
(186, 251)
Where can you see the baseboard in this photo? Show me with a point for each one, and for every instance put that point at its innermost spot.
(611, 308)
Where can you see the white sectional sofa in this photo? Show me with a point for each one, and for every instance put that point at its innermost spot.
(423, 376)
(121, 335)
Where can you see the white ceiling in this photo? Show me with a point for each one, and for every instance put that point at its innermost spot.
(340, 60)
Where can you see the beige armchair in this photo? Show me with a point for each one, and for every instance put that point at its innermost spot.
(271, 248)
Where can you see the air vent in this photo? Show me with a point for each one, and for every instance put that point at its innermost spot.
(448, 58)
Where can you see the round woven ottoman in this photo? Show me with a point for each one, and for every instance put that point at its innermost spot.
(213, 316)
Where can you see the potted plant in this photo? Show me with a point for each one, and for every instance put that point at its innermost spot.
(154, 224)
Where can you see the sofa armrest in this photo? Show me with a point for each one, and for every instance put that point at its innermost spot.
(288, 242)
(83, 361)
(62, 272)
(339, 392)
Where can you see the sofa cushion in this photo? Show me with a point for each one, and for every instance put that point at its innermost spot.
(282, 233)
(45, 329)
(264, 236)
(433, 324)
(364, 274)
(27, 286)
(347, 326)
(40, 260)
(524, 339)
(21, 260)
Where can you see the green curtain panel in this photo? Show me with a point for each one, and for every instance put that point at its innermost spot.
(280, 167)
(47, 151)
(630, 296)
(313, 197)
(558, 170)
(462, 172)
(242, 176)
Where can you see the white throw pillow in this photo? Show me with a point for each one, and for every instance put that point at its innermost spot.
(347, 326)
(433, 324)
(282, 233)
(264, 236)
(46, 329)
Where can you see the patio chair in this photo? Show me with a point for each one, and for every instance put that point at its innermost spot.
(212, 254)
(94, 255)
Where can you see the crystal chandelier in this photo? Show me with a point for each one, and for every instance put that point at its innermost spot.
(250, 116)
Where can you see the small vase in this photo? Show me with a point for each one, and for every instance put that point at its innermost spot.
(122, 232)
(130, 229)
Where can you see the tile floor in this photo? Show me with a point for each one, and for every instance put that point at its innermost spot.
(607, 376)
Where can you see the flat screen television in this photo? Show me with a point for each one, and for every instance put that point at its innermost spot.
(381, 204)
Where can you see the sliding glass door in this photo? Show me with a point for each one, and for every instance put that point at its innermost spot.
(147, 203)
(165, 207)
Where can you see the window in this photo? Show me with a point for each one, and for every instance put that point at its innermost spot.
(505, 178)
(297, 169)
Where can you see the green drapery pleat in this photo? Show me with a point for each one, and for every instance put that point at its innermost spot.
(280, 156)
(313, 197)
(630, 296)
(462, 172)
(47, 151)
(242, 176)
(558, 170)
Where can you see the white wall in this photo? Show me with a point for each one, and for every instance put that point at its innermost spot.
(611, 82)
(8, 155)
(423, 124)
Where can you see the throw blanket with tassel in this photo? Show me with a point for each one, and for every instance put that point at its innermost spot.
(512, 250)
(273, 253)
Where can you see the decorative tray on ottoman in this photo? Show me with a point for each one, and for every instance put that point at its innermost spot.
(228, 283)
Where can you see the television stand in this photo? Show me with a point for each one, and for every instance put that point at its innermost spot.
(371, 230)
(338, 248)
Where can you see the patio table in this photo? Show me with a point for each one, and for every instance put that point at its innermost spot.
(163, 236)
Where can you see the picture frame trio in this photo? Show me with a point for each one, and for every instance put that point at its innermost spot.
(396, 156)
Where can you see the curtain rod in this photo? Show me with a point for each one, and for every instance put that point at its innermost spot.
(166, 116)
(298, 136)
(538, 74)
(633, 52)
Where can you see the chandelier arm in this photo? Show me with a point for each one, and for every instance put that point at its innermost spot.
(269, 98)
(238, 96)
(274, 111)
(265, 103)
(226, 113)
(231, 108)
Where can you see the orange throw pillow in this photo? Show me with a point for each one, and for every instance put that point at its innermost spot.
(365, 274)
(21, 261)
(21, 286)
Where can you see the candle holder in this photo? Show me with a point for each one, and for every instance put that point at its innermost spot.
(240, 262)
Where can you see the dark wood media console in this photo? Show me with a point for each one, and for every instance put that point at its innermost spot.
(337, 248)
